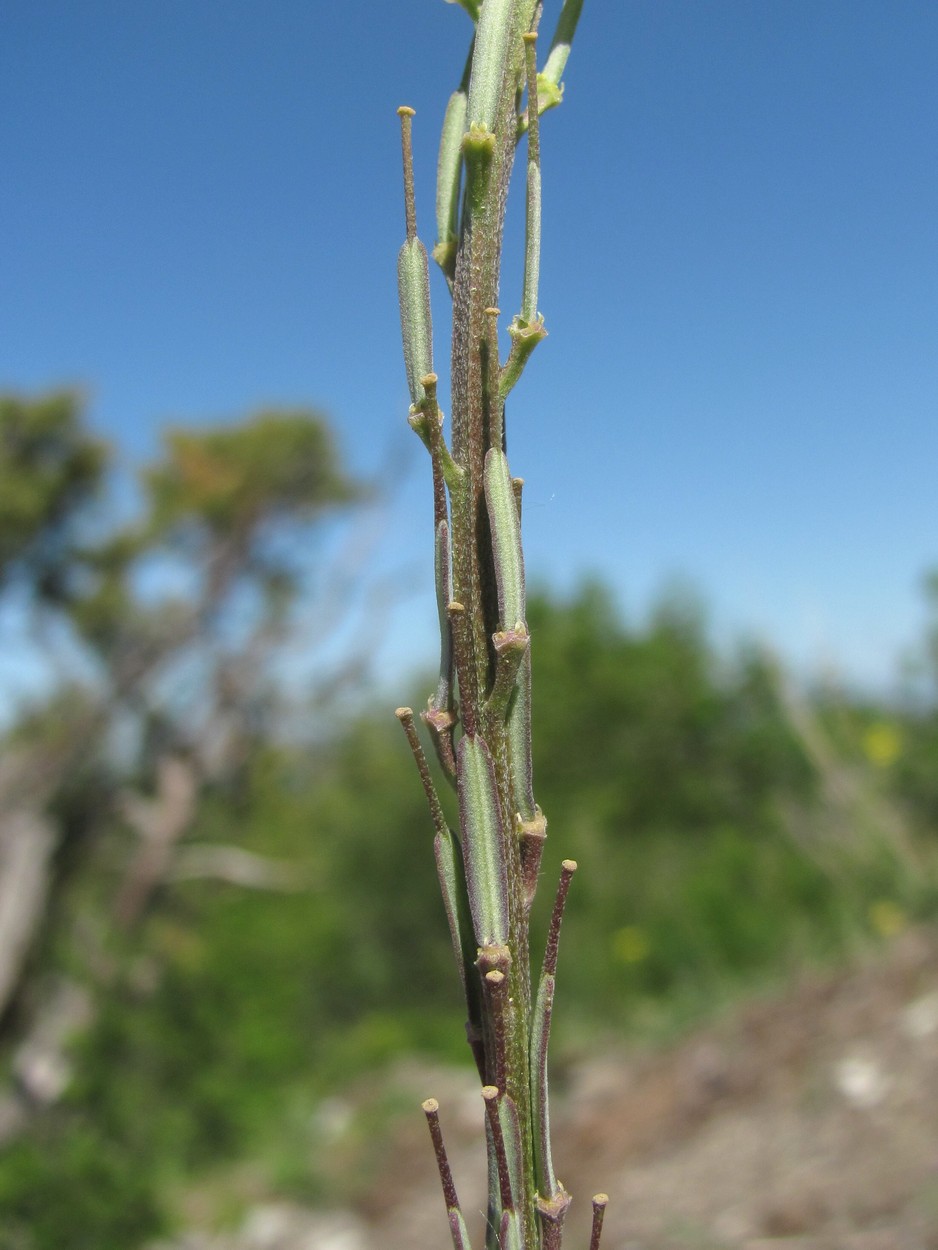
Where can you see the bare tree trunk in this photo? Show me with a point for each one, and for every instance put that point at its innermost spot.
(27, 843)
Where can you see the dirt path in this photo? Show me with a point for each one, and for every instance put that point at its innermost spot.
(805, 1122)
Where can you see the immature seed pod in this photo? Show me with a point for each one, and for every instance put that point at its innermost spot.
(443, 578)
(494, 34)
(482, 841)
(506, 538)
(514, 1148)
(449, 167)
(509, 576)
(532, 246)
(449, 871)
(540, 1107)
(413, 288)
(509, 1237)
(519, 743)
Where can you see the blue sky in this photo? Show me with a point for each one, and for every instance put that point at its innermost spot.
(200, 212)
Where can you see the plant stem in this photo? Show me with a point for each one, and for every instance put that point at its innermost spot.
(489, 873)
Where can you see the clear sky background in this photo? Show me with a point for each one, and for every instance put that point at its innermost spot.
(200, 211)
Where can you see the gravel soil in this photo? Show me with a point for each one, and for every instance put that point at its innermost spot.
(806, 1121)
(803, 1121)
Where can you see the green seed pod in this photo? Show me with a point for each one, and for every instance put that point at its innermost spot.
(506, 538)
(413, 288)
(509, 1236)
(458, 1230)
(448, 170)
(519, 743)
(532, 245)
(547, 1183)
(514, 1149)
(494, 34)
(540, 1110)
(559, 51)
(446, 854)
(482, 841)
(443, 577)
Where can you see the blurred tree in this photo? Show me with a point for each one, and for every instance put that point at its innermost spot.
(51, 471)
(51, 474)
(180, 618)
(652, 725)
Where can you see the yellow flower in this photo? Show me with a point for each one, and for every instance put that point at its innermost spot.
(887, 918)
(630, 944)
(882, 744)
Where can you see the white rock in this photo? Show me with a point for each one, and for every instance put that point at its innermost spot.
(281, 1226)
(861, 1081)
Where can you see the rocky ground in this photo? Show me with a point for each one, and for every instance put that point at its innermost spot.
(807, 1121)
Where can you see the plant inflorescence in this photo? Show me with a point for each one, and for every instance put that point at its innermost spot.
(479, 716)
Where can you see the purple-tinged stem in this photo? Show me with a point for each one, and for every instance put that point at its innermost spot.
(406, 716)
(431, 1109)
(567, 869)
(491, 1096)
(600, 1202)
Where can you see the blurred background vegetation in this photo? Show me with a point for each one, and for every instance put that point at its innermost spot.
(218, 905)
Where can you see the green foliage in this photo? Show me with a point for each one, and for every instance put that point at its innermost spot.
(909, 756)
(50, 471)
(280, 463)
(233, 509)
(674, 774)
(221, 499)
(249, 1006)
(70, 1186)
(651, 734)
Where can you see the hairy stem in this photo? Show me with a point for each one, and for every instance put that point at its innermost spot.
(480, 715)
